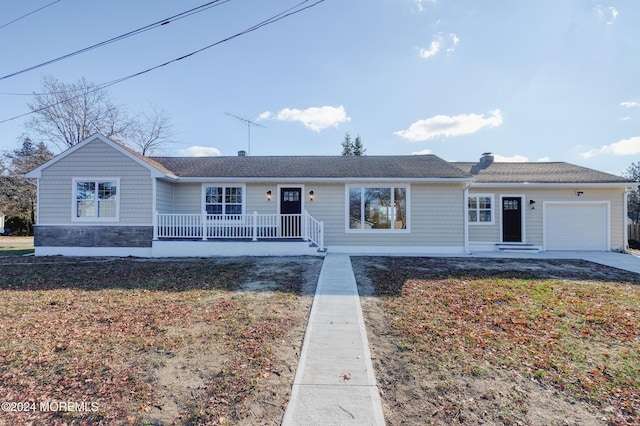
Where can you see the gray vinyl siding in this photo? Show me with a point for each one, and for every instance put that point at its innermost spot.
(95, 160)
(534, 217)
(436, 216)
(164, 197)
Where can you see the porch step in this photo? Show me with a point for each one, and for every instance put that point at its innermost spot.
(518, 248)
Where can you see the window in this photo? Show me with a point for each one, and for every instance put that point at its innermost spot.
(223, 200)
(377, 208)
(481, 209)
(96, 199)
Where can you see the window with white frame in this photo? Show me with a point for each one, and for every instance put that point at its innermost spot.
(96, 199)
(377, 208)
(224, 200)
(480, 209)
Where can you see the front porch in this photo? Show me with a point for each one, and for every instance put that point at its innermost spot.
(236, 235)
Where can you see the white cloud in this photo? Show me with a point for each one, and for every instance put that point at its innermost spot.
(438, 42)
(420, 3)
(433, 50)
(423, 152)
(630, 104)
(314, 118)
(200, 151)
(625, 118)
(608, 15)
(544, 159)
(446, 125)
(513, 159)
(623, 147)
(264, 116)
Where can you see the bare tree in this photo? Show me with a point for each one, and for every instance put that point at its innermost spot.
(152, 131)
(66, 114)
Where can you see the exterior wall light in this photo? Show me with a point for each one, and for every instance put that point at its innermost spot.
(269, 195)
(579, 193)
(532, 204)
(311, 195)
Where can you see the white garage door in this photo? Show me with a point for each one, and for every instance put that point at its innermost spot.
(576, 226)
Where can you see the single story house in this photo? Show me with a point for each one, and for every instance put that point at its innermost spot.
(101, 198)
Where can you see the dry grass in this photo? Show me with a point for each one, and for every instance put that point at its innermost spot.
(577, 331)
(106, 331)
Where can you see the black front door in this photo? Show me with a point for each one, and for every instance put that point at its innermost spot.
(512, 219)
(290, 204)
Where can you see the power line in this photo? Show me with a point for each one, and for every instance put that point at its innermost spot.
(282, 15)
(140, 30)
(30, 13)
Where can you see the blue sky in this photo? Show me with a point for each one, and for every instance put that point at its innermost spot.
(527, 80)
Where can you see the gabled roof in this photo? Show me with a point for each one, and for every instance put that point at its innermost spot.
(332, 167)
(155, 167)
(551, 173)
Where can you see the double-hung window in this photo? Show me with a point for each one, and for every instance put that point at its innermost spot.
(377, 208)
(224, 200)
(480, 209)
(96, 199)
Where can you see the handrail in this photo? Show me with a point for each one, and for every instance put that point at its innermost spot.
(239, 226)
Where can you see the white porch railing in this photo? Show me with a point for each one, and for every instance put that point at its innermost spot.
(244, 226)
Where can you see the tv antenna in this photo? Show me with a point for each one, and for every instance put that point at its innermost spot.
(249, 123)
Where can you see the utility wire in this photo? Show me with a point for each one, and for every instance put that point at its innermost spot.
(123, 36)
(30, 13)
(282, 15)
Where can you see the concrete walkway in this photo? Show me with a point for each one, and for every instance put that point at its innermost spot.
(335, 383)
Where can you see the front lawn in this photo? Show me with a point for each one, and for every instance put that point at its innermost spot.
(505, 341)
(196, 341)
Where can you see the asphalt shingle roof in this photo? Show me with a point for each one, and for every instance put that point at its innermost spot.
(556, 172)
(407, 167)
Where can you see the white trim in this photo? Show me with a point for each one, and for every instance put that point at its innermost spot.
(204, 186)
(162, 248)
(303, 195)
(523, 224)
(74, 199)
(607, 226)
(84, 223)
(532, 185)
(465, 217)
(93, 251)
(297, 180)
(493, 208)
(386, 184)
(397, 250)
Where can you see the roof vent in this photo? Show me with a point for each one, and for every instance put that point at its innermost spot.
(486, 158)
(242, 153)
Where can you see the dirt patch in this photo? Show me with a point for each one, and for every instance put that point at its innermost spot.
(457, 378)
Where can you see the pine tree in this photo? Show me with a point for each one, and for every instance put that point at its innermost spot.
(347, 145)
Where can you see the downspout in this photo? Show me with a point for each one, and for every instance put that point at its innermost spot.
(466, 217)
(625, 215)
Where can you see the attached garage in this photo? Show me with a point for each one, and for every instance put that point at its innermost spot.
(576, 226)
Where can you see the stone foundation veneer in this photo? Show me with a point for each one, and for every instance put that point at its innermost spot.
(92, 236)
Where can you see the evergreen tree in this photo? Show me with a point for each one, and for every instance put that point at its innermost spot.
(17, 194)
(347, 145)
(633, 203)
(352, 147)
(358, 147)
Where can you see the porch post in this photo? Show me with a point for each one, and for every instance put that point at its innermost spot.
(321, 235)
(254, 229)
(203, 219)
(154, 222)
(305, 226)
